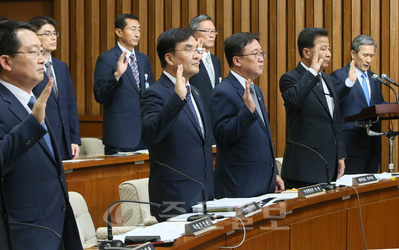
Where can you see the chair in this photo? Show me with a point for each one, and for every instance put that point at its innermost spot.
(84, 221)
(279, 162)
(135, 214)
(91, 147)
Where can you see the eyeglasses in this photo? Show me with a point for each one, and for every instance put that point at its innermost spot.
(207, 32)
(49, 34)
(256, 54)
(191, 50)
(34, 54)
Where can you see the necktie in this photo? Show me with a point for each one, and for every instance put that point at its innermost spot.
(365, 88)
(135, 69)
(209, 69)
(49, 73)
(255, 99)
(46, 136)
(191, 105)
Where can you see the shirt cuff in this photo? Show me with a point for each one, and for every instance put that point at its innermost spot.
(313, 71)
(349, 83)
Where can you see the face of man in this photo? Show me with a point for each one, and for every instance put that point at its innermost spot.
(324, 51)
(252, 62)
(26, 69)
(47, 37)
(130, 35)
(186, 54)
(208, 34)
(364, 57)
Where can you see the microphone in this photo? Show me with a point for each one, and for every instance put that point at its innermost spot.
(42, 228)
(376, 77)
(204, 209)
(327, 186)
(385, 77)
(117, 243)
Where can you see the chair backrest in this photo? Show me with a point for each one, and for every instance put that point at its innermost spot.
(91, 147)
(134, 214)
(84, 221)
(279, 162)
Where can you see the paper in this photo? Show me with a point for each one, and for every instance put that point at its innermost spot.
(184, 217)
(79, 160)
(347, 178)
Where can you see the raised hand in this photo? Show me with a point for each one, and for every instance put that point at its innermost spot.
(180, 85)
(316, 62)
(249, 102)
(352, 72)
(39, 108)
(121, 65)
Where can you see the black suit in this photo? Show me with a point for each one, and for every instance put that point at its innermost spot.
(203, 83)
(5, 240)
(309, 122)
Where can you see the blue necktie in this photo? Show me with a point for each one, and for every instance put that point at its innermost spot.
(46, 136)
(135, 69)
(191, 105)
(365, 88)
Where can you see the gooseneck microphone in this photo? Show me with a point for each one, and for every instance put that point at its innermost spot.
(204, 209)
(327, 186)
(42, 228)
(376, 77)
(117, 243)
(385, 77)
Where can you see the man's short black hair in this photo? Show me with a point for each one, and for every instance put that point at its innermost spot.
(168, 41)
(120, 21)
(307, 37)
(38, 22)
(234, 45)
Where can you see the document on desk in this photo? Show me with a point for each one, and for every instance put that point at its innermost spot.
(79, 160)
(166, 230)
(347, 178)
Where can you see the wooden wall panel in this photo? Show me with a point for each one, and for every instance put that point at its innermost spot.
(87, 29)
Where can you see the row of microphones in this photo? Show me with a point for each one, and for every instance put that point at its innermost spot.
(327, 186)
(385, 77)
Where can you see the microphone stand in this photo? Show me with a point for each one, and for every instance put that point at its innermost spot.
(204, 208)
(110, 243)
(327, 186)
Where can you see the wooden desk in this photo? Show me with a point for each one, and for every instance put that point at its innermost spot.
(330, 221)
(98, 180)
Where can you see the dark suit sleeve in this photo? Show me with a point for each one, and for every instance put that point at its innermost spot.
(229, 120)
(343, 90)
(74, 127)
(150, 79)
(158, 114)
(294, 92)
(105, 83)
(19, 140)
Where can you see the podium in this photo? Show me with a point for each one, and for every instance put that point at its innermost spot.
(373, 114)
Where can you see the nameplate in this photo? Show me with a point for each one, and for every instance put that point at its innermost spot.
(310, 191)
(145, 246)
(364, 180)
(199, 226)
(247, 210)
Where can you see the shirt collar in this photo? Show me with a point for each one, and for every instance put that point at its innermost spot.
(128, 52)
(20, 94)
(239, 78)
(172, 78)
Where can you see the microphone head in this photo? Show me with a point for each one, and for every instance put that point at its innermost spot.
(375, 76)
(383, 75)
(289, 141)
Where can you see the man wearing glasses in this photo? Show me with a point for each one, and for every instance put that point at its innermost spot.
(175, 128)
(210, 68)
(245, 161)
(61, 110)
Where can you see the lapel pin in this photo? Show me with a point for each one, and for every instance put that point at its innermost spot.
(196, 92)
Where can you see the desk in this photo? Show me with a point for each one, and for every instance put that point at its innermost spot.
(329, 221)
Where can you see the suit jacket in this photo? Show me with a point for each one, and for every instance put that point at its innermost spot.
(5, 237)
(202, 82)
(62, 111)
(245, 162)
(364, 152)
(173, 138)
(121, 99)
(34, 180)
(309, 122)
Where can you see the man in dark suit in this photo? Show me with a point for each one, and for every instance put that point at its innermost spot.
(313, 115)
(357, 90)
(175, 128)
(5, 237)
(121, 76)
(210, 68)
(61, 110)
(245, 161)
(32, 171)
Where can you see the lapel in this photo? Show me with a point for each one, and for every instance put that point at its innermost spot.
(141, 71)
(59, 75)
(216, 69)
(128, 72)
(205, 75)
(45, 81)
(20, 112)
(240, 91)
(198, 101)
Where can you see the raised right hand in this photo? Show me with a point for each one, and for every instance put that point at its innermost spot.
(121, 65)
(39, 108)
